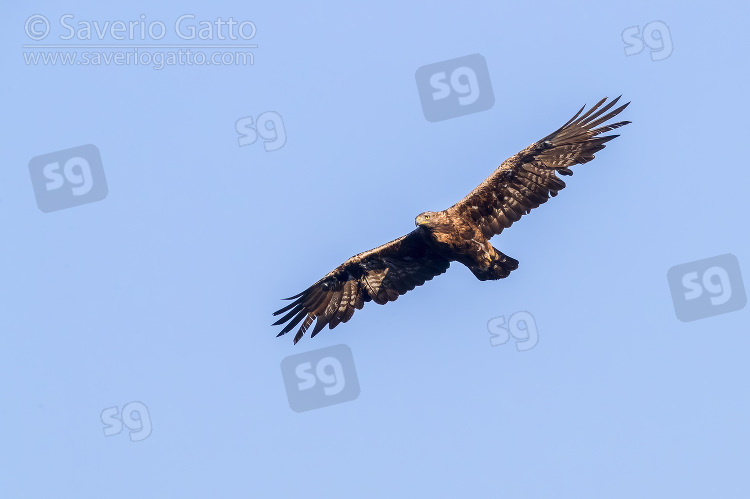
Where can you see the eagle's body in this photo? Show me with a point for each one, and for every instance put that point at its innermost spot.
(458, 239)
(461, 233)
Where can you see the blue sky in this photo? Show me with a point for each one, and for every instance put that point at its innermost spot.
(160, 294)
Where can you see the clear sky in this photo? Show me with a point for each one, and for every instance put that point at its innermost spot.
(139, 273)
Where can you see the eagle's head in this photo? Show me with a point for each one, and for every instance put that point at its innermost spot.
(430, 219)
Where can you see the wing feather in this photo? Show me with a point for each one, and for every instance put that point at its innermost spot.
(528, 179)
(380, 275)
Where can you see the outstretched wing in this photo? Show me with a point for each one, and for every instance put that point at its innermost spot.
(381, 274)
(528, 179)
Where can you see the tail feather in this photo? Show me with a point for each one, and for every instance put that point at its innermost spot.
(500, 267)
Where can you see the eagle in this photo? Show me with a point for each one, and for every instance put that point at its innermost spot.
(461, 233)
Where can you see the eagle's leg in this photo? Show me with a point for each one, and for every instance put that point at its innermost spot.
(492, 265)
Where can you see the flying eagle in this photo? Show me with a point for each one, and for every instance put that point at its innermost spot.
(461, 233)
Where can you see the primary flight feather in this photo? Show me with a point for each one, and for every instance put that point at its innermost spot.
(461, 233)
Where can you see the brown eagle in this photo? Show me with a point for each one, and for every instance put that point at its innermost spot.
(461, 233)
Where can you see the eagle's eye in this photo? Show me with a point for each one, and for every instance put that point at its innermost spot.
(426, 217)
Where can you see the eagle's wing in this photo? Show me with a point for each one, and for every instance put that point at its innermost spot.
(381, 274)
(528, 179)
